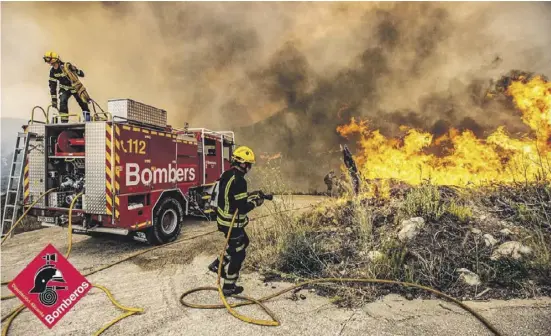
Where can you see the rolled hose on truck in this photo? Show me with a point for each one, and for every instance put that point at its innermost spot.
(230, 307)
(77, 84)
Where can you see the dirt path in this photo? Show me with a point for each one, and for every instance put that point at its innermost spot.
(155, 281)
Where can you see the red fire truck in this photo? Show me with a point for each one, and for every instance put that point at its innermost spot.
(138, 176)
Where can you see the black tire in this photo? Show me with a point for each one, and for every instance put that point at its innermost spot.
(167, 222)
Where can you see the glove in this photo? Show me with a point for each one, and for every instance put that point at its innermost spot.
(258, 201)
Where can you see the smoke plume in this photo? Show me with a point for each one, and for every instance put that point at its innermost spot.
(284, 75)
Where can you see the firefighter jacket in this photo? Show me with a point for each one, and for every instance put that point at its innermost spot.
(58, 75)
(232, 195)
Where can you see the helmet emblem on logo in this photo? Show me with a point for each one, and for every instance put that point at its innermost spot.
(47, 292)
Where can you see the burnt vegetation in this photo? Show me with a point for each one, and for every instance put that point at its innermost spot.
(462, 234)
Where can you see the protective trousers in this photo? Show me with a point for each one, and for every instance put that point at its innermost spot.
(64, 96)
(235, 253)
(329, 188)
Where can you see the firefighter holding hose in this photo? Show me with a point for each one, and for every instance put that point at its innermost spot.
(67, 88)
(231, 195)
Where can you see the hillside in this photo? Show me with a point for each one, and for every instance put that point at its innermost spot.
(9, 129)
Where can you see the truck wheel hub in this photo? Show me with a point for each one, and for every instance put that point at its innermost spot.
(169, 221)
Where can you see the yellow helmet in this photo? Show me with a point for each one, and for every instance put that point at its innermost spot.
(50, 56)
(243, 154)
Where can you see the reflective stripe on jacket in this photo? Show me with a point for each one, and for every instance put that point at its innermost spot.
(232, 195)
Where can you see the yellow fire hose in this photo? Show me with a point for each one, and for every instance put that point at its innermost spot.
(248, 300)
(25, 214)
(15, 312)
(276, 322)
(128, 310)
(77, 84)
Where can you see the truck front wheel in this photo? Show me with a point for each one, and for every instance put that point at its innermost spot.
(167, 222)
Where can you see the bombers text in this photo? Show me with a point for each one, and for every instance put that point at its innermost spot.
(67, 303)
(135, 175)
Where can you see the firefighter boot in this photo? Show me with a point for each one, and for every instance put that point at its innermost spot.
(213, 267)
(231, 289)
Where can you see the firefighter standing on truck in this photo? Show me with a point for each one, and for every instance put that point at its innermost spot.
(231, 193)
(66, 89)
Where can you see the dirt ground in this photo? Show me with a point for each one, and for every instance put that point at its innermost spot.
(155, 281)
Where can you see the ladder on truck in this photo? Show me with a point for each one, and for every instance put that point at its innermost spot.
(13, 192)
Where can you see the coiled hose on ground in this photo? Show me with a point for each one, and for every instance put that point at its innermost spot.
(275, 322)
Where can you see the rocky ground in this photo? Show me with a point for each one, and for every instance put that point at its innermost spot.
(155, 281)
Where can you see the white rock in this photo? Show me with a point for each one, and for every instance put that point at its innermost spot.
(476, 231)
(489, 240)
(410, 228)
(375, 255)
(506, 232)
(511, 249)
(468, 277)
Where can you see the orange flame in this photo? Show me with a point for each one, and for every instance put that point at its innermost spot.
(468, 159)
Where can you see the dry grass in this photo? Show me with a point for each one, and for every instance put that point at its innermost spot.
(28, 223)
(339, 239)
(528, 206)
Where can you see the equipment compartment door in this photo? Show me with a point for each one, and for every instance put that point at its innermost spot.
(98, 136)
(227, 155)
(187, 165)
(213, 153)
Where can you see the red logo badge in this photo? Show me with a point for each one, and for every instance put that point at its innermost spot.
(50, 286)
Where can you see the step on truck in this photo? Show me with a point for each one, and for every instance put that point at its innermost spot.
(136, 175)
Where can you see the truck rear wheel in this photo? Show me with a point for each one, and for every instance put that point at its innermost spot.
(167, 222)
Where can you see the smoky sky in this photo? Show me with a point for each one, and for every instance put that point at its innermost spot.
(285, 75)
